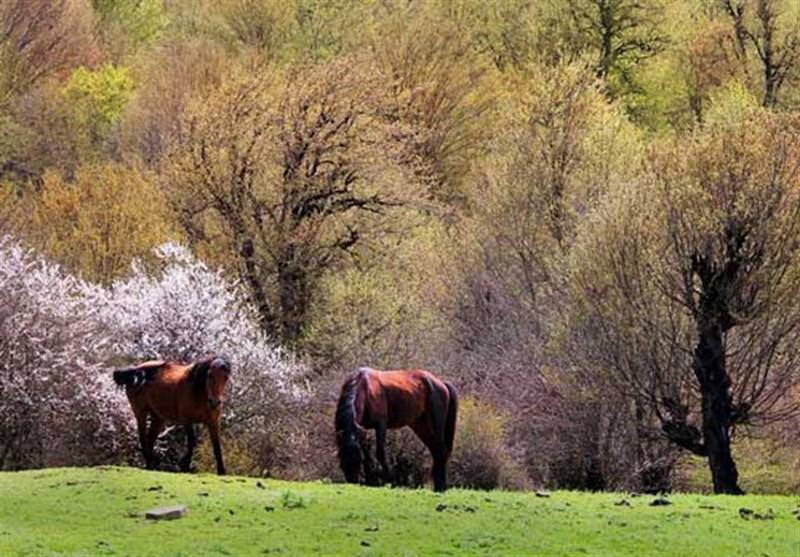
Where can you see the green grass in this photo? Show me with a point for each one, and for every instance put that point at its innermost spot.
(96, 511)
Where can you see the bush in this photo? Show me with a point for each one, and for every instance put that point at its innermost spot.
(481, 458)
(481, 455)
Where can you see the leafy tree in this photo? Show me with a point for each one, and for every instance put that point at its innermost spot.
(712, 63)
(96, 225)
(129, 24)
(440, 98)
(620, 34)
(173, 74)
(773, 34)
(98, 98)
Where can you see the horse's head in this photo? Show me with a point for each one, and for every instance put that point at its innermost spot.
(219, 370)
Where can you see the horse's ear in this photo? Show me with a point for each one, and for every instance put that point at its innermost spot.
(222, 363)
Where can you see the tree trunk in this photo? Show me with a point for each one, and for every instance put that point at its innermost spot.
(253, 280)
(709, 366)
(294, 295)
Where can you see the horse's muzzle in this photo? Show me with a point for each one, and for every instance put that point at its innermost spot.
(214, 402)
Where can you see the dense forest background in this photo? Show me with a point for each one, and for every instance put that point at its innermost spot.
(586, 213)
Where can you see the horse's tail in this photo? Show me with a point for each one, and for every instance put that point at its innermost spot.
(348, 431)
(137, 375)
(450, 423)
(128, 377)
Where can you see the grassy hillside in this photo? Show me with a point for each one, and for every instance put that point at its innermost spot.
(96, 511)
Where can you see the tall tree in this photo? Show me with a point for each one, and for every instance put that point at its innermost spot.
(774, 38)
(687, 287)
(621, 33)
(39, 38)
(290, 180)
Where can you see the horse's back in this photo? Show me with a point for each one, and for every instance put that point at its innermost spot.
(165, 393)
(402, 396)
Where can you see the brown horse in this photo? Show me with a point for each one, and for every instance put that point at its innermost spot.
(177, 393)
(382, 400)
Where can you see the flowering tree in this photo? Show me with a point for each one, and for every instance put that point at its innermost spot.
(185, 310)
(56, 407)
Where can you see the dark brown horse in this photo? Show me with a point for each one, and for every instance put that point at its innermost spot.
(382, 400)
(176, 393)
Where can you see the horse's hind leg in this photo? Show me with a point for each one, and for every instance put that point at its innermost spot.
(380, 451)
(156, 427)
(368, 463)
(191, 443)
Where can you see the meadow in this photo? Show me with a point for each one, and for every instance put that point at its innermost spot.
(99, 511)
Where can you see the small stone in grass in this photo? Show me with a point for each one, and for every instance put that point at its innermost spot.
(260, 485)
(167, 513)
(622, 503)
(365, 543)
(542, 494)
(660, 502)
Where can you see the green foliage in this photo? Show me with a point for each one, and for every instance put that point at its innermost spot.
(99, 96)
(101, 510)
(141, 21)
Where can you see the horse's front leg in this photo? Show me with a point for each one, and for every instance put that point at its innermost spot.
(213, 430)
(380, 452)
(191, 443)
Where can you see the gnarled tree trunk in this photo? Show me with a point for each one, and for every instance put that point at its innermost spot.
(709, 367)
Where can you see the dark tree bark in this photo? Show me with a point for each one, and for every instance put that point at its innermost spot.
(709, 366)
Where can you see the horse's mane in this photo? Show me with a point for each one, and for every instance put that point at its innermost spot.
(198, 375)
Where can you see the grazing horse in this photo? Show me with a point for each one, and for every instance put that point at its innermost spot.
(382, 400)
(177, 393)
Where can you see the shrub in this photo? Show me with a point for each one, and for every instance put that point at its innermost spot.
(481, 455)
(481, 459)
(95, 225)
(58, 334)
